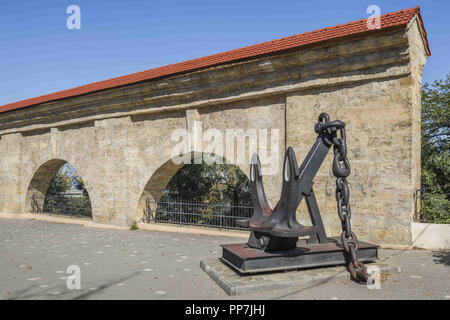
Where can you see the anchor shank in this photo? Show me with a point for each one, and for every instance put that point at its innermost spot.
(312, 163)
(316, 219)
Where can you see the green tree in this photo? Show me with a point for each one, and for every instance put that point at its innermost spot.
(212, 183)
(60, 183)
(79, 185)
(189, 182)
(63, 181)
(435, 183)
(228, 184)
(210, 194)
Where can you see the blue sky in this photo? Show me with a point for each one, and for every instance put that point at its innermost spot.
(39, 55)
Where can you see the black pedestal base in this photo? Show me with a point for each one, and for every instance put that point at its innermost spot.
(248, 260)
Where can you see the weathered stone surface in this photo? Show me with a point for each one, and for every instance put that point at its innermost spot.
(120, 140)
(236, 284)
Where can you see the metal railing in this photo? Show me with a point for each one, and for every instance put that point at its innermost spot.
(66, 205)
(195, 213)
(431, 207)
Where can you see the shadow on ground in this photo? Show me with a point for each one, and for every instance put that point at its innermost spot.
(442, 257)
(26, 293)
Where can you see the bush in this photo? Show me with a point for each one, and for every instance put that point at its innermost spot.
(134, 226)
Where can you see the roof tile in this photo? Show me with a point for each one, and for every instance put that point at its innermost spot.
(389, 20)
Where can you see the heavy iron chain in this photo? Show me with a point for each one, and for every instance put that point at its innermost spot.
(341, 170)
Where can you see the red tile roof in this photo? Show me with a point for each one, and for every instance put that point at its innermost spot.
(389, 21)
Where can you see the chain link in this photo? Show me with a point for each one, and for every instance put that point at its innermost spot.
(341, 170)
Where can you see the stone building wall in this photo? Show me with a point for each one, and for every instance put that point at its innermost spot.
(119, 139)
(379, 135)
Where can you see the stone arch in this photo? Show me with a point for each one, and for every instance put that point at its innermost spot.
(160, 178)
(40, 181)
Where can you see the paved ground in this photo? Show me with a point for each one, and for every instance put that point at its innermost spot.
(118, 264)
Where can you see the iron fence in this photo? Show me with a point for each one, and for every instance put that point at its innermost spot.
(432, 207)
(67, 205)
(195, 213)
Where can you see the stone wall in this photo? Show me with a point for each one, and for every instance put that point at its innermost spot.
(119, 139)
(379, 135)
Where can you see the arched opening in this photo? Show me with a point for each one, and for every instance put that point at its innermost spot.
(206, 194)
(56, 188)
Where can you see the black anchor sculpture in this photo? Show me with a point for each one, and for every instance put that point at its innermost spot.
(275, 233)
(278, 229)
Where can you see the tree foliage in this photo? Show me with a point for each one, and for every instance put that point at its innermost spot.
(206, 194)
(211, 183)
(435, 183)
(56, 200)
(59, 184)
